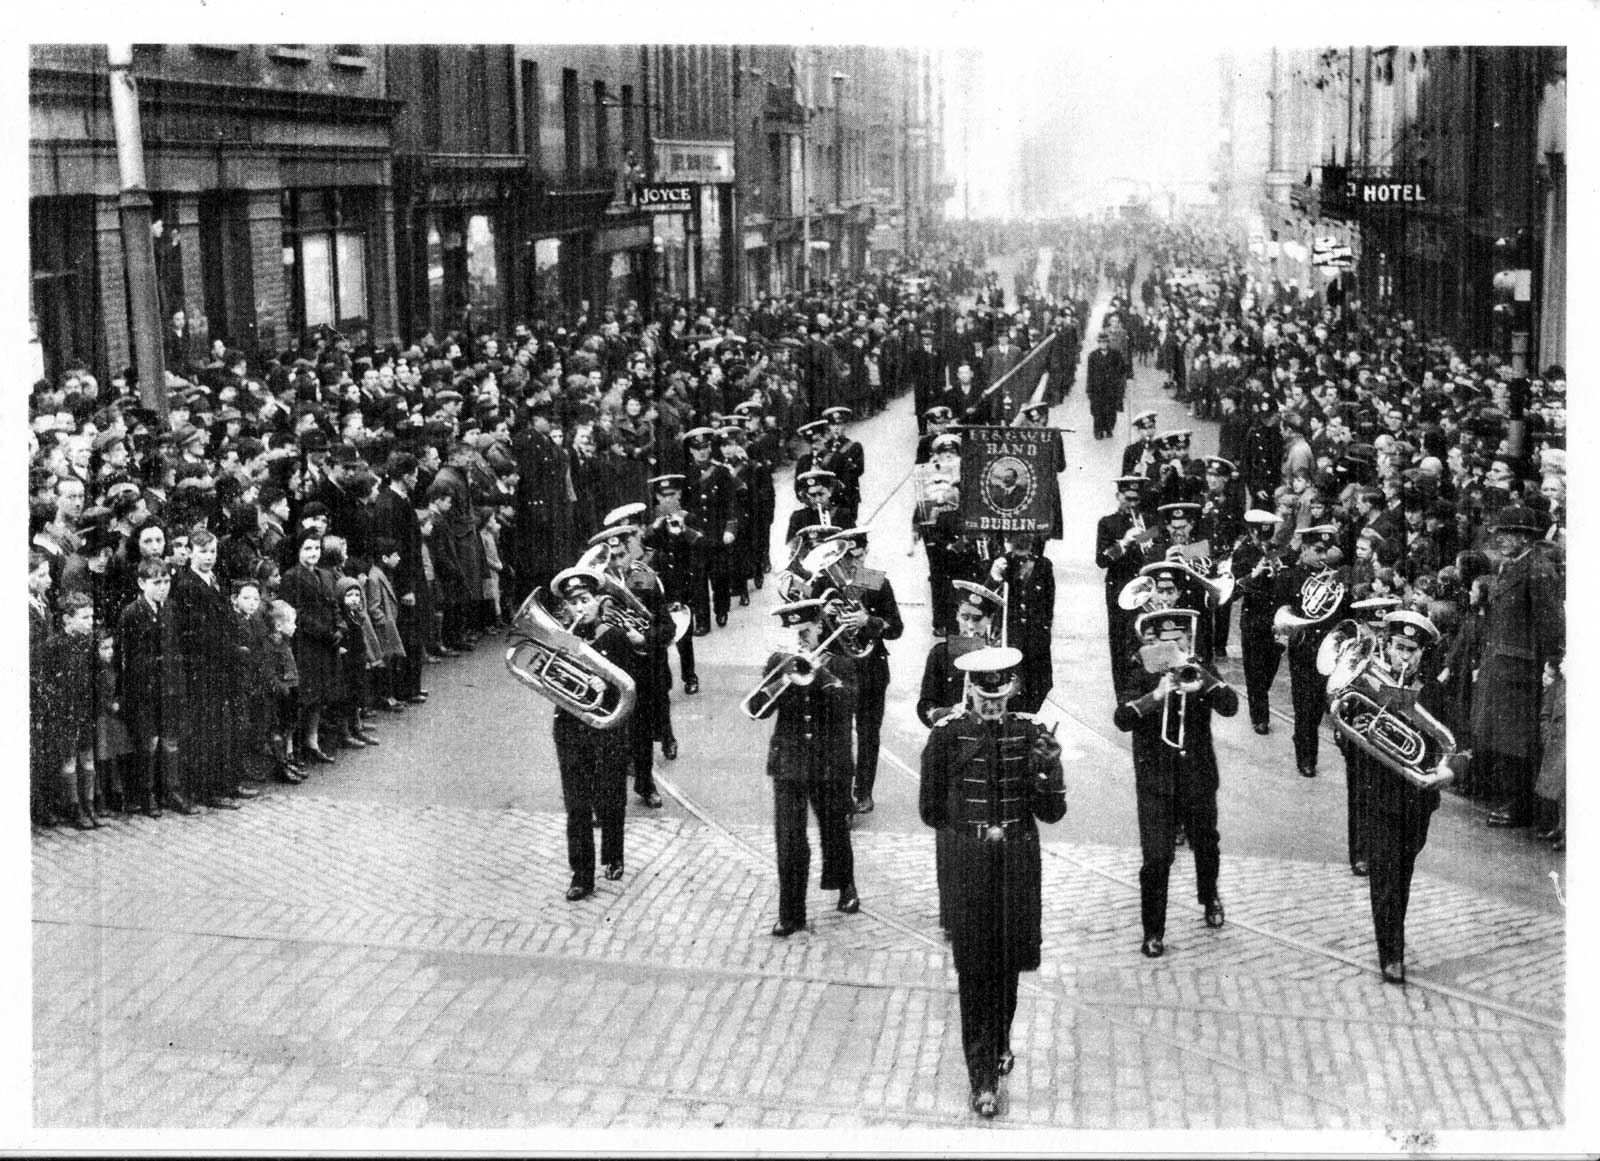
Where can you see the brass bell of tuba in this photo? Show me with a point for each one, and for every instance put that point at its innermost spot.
(545, 656)
(1405, 738)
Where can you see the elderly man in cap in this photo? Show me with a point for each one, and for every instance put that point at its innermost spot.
(1167, 703)
(987, 775)
(1524, 637)
(812, 693)
(593, 762)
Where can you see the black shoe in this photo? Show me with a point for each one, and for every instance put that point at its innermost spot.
(1547, 833)
(784, 928)
(701, 630)
(578, 891)
(691, 685)
(318, 756)
(1006, 1063)
(290, 775)
(221, 804)
(352, 742)
(941, 633)
(1394, 972)
(182, 805)
(1308, 770)
(417, 699)
(1559, 843)
(849, 901)
(986, 1104)
(1506, 820)
(1262, 728)
(394, 705)
(614, 871)
(864, 804)
(722, 620)
(652, 800)
(245, 792)
(1152, 947)
(669, 749)
(1360, 869)
(1215, 915)
(757, 580)
(744, 600)
(81, 819)
(367, 737)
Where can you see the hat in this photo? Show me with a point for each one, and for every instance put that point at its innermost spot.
(731, 434)
(1145, 419)
(1373, 606)
(749, 409)
(344, 453)
(448, 397)
(856, 536)
(837, 414)
(817, 476)
(107, 440)
(1124, 482)
(811, 430)
(571, 580)
(624, 515)
(1222, 467)
(1171, 438)
(697, 436)
(1166, 620)
(1323, 534)
(344, 584)
(1413, 626)
(986, 601)
(1370, 532)
(613, 535)
(799, 613)
(1167, 570)
(1516, 518)
(945, 439)
(938, 414)
(992, 659)
(671, 482)
(1188, 509)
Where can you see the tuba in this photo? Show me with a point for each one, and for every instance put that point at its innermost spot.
(1393, 730)
(548, 658)
(1348, 632)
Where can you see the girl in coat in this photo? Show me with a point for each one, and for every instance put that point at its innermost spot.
(319, 633)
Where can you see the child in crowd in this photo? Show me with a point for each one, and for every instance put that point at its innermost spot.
(70, 665)
(283, 680)
(383, 609)
(358, 656)
(111, 733)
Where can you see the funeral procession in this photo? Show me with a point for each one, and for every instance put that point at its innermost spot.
(854, 596)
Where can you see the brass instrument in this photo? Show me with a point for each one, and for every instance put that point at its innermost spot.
(1320, 595)
(675, 524)
(682, 618)
(545, 656)
(1348, 632)
(823, 565)
(1137, 593)
(1394, 730)
(793, 669)
(620, 607)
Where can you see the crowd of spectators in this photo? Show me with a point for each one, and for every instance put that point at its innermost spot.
(242, 587)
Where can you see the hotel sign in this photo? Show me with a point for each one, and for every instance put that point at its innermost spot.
(1374, 191)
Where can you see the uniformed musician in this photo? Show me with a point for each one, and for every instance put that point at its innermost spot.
(1369, 612)
(674, 543)
(1181, 540)
(1222, 517)
(813, 459)
(761, 446)
(936, 523)
(710, 498)
(987, 774)
(652, 712)
(1121, 542)
(869, 609)
(1167, 703)
(1028, 581)
(808, 760)
(818, 503)
(1256, 565)
(1139, 457)
(943, 693)
(844, 457)
(1396, 812)
(938, 420)
(742, 552)
(593, 763)
(1307, 687)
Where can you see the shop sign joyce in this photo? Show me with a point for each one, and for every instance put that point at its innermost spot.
(664, 197)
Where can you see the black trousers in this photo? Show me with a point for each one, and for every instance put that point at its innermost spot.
(1119, 636)
(1262, 657)
(942, 591)
(1356, 809)
(1221, 623)
(1159, 819)
(594, 784)
(714, 578)
(790, 803)
(988, 1006)
(870, 695)
(1508, 780)
(1394, 841)
(686, 655)
(1309, 689)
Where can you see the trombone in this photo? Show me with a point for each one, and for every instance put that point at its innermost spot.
(793, 669)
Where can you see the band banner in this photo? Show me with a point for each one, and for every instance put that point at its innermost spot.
(1008, 479)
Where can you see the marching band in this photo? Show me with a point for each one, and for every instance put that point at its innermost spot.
(1183, 543)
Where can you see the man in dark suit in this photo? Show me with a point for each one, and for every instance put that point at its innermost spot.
(146, 659)
(394, 516)
(1108, 373)
(1121, 541)
(347, 517)
(998, 362)
(925, 367)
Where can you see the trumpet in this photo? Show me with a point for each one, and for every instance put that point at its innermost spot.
(675, 523)
(555, 664)
(793, 669)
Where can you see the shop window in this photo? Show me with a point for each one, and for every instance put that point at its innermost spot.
(325, 242)
(483, 270)
(546, 273)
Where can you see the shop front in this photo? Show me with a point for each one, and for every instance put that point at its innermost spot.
(695, 240)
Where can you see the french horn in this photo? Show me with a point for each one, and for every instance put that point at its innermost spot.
(546, 657)
(1320, 595)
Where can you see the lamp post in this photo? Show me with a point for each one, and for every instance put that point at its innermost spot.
(805, 170)
(838, 80)
(133, 208)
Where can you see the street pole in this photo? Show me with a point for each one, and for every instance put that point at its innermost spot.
(139, 255)
(805, 172)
